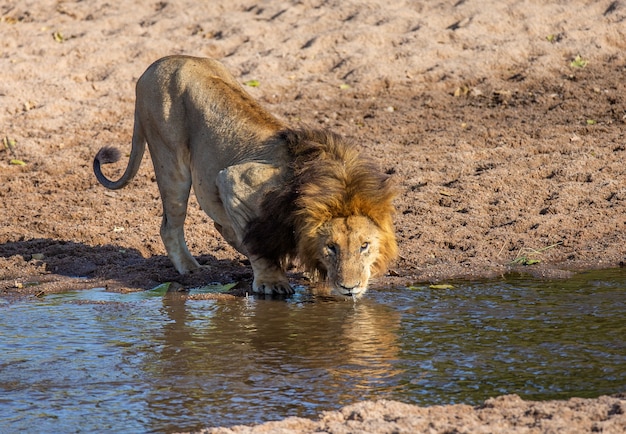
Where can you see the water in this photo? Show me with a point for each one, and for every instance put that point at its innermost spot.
(96, 361)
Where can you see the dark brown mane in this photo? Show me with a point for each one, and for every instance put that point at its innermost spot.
(327, 178)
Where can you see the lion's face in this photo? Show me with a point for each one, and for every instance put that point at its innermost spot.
(349, 248)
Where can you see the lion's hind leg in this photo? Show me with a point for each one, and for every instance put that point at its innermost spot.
(175, 187)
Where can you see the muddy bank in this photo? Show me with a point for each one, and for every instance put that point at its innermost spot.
(503, 126)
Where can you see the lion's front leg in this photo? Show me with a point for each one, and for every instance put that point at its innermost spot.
(269, 278)
(241, 190)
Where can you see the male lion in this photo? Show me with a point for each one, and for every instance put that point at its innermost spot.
(274, 193)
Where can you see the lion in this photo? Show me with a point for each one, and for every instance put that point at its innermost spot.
(276, 194)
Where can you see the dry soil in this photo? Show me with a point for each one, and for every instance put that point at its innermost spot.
(502, 122)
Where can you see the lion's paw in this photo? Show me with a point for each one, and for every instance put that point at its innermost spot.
(193, 270)
(201, 269)
(281, 287)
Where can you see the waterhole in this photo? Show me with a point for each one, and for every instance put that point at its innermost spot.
(96, 361)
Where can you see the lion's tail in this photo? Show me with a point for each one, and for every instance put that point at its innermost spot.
(109, 154)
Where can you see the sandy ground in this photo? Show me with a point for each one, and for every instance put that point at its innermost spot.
(505, 414)
(502, 121)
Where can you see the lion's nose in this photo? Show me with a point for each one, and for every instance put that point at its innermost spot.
(349, 288)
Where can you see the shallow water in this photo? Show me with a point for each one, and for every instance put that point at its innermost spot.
(98, 361)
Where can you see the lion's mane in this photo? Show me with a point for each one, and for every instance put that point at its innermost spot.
(327, 178)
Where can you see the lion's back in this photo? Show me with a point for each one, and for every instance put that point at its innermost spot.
(197, 102)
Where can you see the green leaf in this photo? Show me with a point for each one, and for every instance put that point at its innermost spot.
(415, 288)
(216, 287)
(252, 83)
(16, 162)
(442, 286)
(524, 260)
(9, 143)
(578, 62)
(160, 290)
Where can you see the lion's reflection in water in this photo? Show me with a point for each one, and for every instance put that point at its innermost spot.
(292, 356)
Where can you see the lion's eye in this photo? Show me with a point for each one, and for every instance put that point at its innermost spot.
(365, 246)
(331, 249)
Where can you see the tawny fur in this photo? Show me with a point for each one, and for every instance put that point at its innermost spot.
(274, 194)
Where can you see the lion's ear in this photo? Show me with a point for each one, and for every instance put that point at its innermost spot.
(391, 185)
(380, 205)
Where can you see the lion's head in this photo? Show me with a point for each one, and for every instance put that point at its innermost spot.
(335, 214)
(348, 250)
(344, 228)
